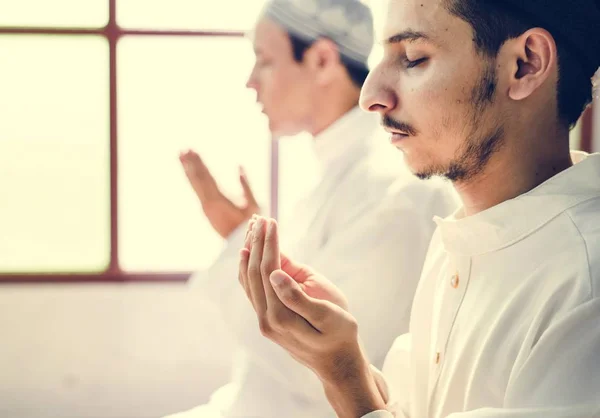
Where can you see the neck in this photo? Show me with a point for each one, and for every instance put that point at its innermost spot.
(330, 107)
(516, 169)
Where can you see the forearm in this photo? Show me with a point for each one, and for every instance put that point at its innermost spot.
(355, 392)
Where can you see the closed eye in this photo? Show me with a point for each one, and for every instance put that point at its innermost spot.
(412, 64)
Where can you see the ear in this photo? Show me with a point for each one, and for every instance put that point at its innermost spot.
(323, 59)
(534, 60)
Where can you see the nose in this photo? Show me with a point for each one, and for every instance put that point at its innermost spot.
(252, 82)
(377, 95)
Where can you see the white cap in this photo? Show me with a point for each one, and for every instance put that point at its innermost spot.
(348, 23)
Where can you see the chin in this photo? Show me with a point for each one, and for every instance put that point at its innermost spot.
(279, 130)
(421, 169)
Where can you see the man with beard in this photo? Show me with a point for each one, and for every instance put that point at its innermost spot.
(505, 321)
(366, 222)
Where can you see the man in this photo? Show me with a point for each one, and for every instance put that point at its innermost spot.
(506, 318)
(364, 224)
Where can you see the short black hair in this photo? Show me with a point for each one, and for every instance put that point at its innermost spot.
(493, 25)
(357, 72)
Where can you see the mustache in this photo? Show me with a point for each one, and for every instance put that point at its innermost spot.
(388, 122)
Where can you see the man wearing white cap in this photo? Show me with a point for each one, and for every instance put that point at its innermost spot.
(366, 224)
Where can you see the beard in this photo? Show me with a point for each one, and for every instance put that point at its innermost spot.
(475, 152)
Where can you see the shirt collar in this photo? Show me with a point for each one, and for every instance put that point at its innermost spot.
(345, 138)
(514, 219)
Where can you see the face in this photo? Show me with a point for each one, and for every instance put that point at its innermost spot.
(282, 85)
(436, 94)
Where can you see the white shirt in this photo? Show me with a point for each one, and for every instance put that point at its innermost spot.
(506, 318)
(366, 226)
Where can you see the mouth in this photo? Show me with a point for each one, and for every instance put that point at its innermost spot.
(397, 136)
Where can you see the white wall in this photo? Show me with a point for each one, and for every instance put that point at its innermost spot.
(107, 351)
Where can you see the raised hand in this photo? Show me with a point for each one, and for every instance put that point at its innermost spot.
(222, 213)
(307, 315)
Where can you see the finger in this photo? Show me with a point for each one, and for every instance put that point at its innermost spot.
(315, 312)
(255, 283)
(248, 237)
(194, 162)
(186, 155)
(199, 176)
(270, 263)
(248, 194)
(243, 271)
(297, 271)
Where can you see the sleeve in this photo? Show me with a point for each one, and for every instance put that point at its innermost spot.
(561, 376)
(378, 414)
(391, 410)
(219, 286)
(375, 257)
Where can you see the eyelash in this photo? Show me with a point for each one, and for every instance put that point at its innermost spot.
(412, 64)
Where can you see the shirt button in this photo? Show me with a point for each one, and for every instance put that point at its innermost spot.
(455, 281)
(437, 357)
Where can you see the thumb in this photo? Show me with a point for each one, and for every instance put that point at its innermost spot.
(295, 299)
(248, 195)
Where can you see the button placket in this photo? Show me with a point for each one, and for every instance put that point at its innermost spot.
(454, 289)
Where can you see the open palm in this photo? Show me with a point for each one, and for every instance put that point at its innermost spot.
(313, 284)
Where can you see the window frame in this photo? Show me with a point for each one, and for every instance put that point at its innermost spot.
(112, 32)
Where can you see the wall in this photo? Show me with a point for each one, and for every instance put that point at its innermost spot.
(107, 351)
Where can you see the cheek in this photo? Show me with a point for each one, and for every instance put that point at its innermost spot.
(270, 89)
(438, 99)
(438, 106)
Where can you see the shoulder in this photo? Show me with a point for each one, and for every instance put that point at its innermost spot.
(585, 219)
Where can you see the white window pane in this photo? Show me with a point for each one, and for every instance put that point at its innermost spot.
(188, 14)
(54, 161)
(55, 13)
(177, 93)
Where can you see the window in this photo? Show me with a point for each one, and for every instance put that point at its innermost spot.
(54, 13)
(98, 99)
(194, 84)
(188, 14)
(54, 160)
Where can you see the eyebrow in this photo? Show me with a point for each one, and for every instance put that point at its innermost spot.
(408, 36)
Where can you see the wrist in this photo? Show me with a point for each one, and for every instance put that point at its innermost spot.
(353, 391)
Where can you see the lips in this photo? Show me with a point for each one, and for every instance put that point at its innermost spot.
(397, 137)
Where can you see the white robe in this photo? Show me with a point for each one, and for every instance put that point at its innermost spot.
(506, 319)
(366, 226)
